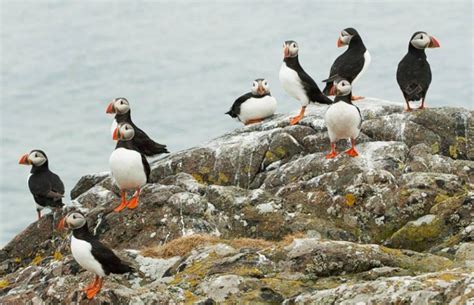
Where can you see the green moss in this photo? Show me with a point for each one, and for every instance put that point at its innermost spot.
(435, 148)
(418, 237)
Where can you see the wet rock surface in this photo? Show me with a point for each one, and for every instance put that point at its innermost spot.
(278, 222)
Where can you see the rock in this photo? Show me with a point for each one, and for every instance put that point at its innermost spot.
(259, 216)
(86, 182)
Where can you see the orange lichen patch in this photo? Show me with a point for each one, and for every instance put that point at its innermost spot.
(350, 199)
(57, 256)
(4, 284)
(38, 258)
(180, 246)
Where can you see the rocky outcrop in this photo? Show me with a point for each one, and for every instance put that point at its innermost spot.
(260, 216)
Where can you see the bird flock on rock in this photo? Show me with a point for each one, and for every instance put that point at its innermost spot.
(130, 168)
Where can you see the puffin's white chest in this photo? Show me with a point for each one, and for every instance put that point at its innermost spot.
(257, 108)
(112, 127)
(367, 60)
(127, 168)
(82, 253)
(291, 82)
(343, 121)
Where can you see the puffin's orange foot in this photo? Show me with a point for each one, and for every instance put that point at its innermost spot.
(352, 152)
(357, 97)
(408, 109)
(295, 120)
(91, 292)
(133, 203)
(421, 107)
(331, 155)
(253, 121)
(122, 206)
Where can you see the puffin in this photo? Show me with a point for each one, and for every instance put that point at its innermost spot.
(90, 253)
(414, 73)
(254, 106)
(343, 119)
(297, 83)
(121, 107)
(129, 167)
(45, 186)
(351, 64)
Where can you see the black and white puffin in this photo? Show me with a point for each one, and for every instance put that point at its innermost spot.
(351, 64)
(129, 167)
(343, 119)
(46, 187)
(90, 253)
(255, 106)
(414, 73)
(121, 107)
(297, 83)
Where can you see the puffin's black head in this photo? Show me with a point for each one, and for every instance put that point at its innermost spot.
(73, 220)
(342, 87)
(260, 87)
(290, 49)
(118, 105)
(421, 40)
(346, 36)
(124, 132)
(36, 158)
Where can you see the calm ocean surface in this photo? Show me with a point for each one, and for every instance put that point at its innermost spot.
(181, 66)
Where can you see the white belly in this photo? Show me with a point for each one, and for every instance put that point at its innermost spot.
(81, 250)
(367, 60)
(291, 82)
(112, 127)
(343, 121)
(257, 108)
(127, 168)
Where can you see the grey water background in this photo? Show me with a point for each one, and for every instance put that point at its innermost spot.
(181, 65)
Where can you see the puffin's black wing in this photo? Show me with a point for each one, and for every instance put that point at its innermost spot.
(146, 167)
(107, 258)
(145, 145)
(47, 189)
(348, 65)
(235, 109)
(414, 77)
(312, 89)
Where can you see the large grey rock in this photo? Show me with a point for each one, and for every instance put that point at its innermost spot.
(281, 221)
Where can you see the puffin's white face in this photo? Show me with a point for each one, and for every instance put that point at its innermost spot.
(75, 220)
(344, 39)
(422, 40)
(343, 88)
(124, 132)
(260, 87)
(290, 49)
(119, 105)
(37, 158)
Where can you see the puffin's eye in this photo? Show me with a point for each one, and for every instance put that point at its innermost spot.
(294, 45)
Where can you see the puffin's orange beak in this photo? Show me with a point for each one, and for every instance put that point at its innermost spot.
(24, 160)
(116, 134)
(260, 90)
(339, 42)
(433, 43)
(110, 108)
(62, 224)
(286, 51)
(332, 91)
